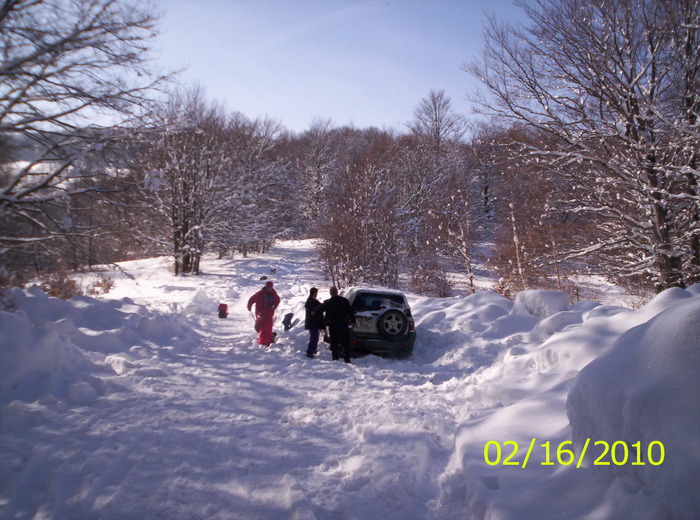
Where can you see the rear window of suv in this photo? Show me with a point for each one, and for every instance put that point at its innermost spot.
(373, 301)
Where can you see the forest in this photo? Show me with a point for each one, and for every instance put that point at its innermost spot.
(581, 157)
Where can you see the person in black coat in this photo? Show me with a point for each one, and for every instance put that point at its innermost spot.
(314, 323)
(339, 316)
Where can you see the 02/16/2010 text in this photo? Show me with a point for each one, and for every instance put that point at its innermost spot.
(618, 453)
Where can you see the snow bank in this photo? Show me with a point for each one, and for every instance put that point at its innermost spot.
(646, 389)
(525, 314)
(50, 347)
(35, 359)
(640, 384)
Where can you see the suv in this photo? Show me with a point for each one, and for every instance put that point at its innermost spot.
(384, 325)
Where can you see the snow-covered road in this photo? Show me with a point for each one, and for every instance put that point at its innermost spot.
(220, 433)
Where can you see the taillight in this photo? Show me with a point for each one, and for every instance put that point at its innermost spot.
(411, 326)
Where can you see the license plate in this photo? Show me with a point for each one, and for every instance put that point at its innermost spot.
(363, 322)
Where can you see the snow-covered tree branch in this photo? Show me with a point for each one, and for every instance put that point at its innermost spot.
(615, 87)
(73, 75)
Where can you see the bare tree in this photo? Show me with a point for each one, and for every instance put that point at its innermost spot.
(614, 84)
(318, 158)
(359, 223)
(435, 195)
(530, 226)
(259, 203)
(72, 75)
(183, 162)
(436, 120)
(212, 179)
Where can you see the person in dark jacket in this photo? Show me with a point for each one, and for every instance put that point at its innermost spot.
(338, 317)
(314, 323)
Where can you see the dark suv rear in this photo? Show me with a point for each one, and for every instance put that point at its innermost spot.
(384, 324)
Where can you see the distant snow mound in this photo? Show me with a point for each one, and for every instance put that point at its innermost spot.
(541, 304)
(645, 389)
(529, 309)
(201, 303)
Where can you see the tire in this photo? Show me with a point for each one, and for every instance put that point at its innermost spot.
(392, 324)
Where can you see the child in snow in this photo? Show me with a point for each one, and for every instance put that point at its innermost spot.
(266, 300)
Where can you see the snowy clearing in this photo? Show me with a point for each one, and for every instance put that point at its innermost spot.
(144, 404)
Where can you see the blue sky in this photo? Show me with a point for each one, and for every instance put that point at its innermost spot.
(367, 63)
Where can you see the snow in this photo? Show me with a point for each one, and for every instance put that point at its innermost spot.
(144, 404)
(541, 304)
(638, 391)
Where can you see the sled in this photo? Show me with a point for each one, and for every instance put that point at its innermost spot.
(288, 321)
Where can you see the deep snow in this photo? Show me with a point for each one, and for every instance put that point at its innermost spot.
(144, 404)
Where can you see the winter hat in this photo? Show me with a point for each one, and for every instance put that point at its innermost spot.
(269, 284)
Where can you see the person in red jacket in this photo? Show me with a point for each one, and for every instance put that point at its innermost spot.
(266, 300)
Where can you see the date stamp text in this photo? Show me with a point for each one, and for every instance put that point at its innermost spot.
(601, 453)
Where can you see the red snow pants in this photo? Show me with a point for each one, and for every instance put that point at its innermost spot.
(263, 324)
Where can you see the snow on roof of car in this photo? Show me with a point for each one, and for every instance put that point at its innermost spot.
(378, 290)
